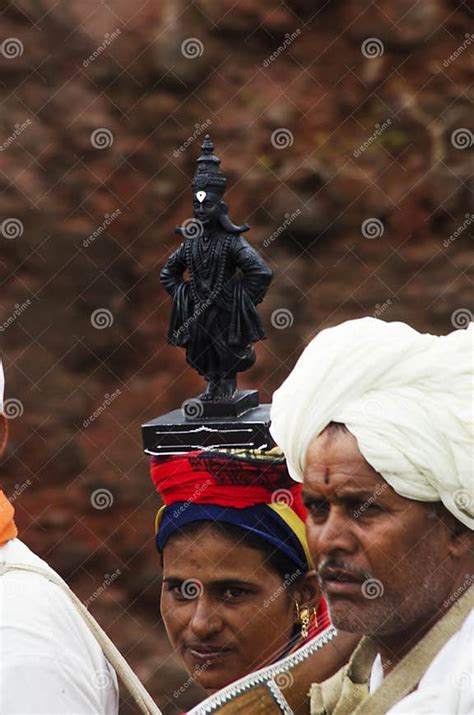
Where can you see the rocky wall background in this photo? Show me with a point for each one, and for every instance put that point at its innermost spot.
(346, 133)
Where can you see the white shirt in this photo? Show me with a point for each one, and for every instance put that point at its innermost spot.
(447, 686)
(50, 663)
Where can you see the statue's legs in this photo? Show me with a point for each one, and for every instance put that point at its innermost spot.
(227, 387)
(219, 388)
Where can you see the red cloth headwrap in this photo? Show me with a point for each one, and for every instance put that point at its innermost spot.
(234, 479)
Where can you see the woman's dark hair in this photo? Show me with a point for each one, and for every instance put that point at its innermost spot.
(274, 558)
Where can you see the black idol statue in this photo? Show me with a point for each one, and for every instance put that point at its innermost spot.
(214, 315)
(216, 280)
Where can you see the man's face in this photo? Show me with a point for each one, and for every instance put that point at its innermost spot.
(225, 611)
(206, 208)
(380, 558)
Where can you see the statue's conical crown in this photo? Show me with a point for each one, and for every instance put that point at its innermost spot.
(208, 176)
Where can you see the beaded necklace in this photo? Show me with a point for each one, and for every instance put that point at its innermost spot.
(217, 250)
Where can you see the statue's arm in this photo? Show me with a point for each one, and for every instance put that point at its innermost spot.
(256, 273)
(171, 275)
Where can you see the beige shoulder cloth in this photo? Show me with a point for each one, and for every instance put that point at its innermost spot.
(130, 681)
(347, 692)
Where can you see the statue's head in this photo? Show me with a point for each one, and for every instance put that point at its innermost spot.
(207, 207)
(209, 185)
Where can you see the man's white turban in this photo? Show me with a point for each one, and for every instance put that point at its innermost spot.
(407, 397)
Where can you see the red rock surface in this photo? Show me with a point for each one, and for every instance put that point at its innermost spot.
(325, 76)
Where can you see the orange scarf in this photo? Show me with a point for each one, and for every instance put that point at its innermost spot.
(8, 528)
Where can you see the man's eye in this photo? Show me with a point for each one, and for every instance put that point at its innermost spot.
(318, 508)
(176, 590)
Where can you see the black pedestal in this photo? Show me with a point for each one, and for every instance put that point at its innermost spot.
(243, 400)
(174, 434)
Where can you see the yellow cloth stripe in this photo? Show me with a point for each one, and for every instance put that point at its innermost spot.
(297, 526)
(158, 516)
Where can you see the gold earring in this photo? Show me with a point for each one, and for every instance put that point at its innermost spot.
(303, 618)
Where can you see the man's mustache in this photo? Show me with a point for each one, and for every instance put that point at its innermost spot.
(331, 565)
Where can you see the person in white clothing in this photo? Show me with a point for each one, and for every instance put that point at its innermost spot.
(376, 421)
(49, 660)
(50, 663)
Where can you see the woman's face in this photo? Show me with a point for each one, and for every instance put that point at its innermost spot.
(225, 611)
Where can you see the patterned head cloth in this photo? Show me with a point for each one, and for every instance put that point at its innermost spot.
(249, 489)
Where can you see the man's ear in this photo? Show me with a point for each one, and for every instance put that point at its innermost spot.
(460, 537)
(461, 540)
(306, 592)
